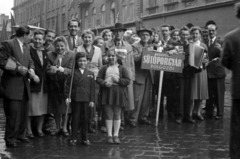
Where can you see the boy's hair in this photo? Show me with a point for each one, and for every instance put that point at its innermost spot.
(38, 32)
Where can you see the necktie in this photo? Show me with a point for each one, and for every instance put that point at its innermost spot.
(74, 45)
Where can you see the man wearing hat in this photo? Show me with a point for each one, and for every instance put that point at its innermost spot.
(122, 47)
(143, 81)
(216, 73)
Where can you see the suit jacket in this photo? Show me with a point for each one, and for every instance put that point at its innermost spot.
(40, 71)
(12, 82)
(128, 62)
(83, 87)
(141, 74)
(70, 44)
(215, 69)
(231, 59)
(96, 63)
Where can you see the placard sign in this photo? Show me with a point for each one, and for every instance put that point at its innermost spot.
(161, 61)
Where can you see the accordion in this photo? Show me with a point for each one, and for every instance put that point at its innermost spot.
(196, 54)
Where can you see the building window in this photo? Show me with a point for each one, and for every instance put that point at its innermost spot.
(72, 16)
(171, 7)
(152, 3)
(131, 10)
(53, 22)
(53, 4)
(189, 3)
(125, 13)
(171, 4)
(103, 15)
(49, 5)
(86, 19)
(93, 17)
(63, 21)
(113, 14)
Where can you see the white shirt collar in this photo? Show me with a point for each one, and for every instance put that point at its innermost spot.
(213, 39)
(20, 43)
(81, 70)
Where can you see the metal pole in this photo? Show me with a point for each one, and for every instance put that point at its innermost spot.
(159, 95)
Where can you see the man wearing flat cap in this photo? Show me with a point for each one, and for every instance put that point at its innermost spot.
(143, 81)
(122, 47)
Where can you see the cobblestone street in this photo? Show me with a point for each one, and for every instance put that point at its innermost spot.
(203, 140)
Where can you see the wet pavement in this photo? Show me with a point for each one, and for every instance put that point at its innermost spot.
(203, 140)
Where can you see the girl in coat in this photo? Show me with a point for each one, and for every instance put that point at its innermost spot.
(113, 80)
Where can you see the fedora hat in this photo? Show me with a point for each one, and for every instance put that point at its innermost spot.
(146, 30)
(118, 26)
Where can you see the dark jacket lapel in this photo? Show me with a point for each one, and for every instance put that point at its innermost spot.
(35, 56)
(17, 49)
(83, 76)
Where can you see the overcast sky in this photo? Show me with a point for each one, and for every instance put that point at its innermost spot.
(5, 7)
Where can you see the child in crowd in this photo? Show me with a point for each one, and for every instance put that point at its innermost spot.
(82, 96)
(113, 79)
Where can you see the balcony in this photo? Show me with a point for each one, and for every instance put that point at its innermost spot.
(170, 2)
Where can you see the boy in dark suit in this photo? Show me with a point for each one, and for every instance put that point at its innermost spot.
(82, 95)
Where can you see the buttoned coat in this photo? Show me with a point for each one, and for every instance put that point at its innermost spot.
(128, 62)
(12, 82)
(40, 70)
(215, 69)
(96, 62)
(83, 87)
(231, 59)
(141, 74)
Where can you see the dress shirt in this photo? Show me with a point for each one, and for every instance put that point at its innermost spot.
(81, 70)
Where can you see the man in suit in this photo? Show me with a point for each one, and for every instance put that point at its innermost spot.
(142, 86)
(169, 83)
(216, 73)
(16, 85)
(73, 39)
(230, 59)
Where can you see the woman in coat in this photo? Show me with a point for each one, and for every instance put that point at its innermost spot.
(39, 91)
(59, 67)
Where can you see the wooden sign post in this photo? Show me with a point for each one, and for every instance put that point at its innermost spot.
(162, 61)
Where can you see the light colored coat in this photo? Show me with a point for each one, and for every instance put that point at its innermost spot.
(96, 63)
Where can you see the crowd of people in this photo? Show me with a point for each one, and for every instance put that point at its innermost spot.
(72, 78)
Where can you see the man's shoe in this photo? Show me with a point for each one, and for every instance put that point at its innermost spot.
(103, 129)
(145, 121)
(24, 140)
(30, 136)
(73, 142)
(65, 133)
(217, 117)
(121, 128)
(189, 120)
(178, 121)
(91, 130)
(11, 145)
(40, 134)
(133, 124)
(86, 143)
